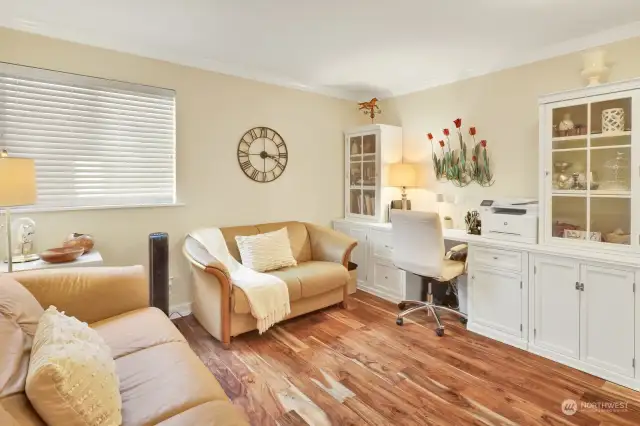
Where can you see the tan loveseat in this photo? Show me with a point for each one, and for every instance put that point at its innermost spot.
(162, 382)
(319, 280)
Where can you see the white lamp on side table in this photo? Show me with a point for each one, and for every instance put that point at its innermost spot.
(17, 188)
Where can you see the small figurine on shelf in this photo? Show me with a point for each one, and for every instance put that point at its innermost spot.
(474, 225)
(566, 124)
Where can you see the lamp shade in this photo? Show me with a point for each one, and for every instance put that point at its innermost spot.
(17, 182)
(402, 174)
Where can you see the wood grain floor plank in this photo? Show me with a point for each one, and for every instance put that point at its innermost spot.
(356, 367)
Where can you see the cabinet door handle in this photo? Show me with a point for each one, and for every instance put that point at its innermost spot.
(495, 257)
(388, 246)
(577, 285)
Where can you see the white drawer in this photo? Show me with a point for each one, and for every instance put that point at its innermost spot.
(388, 280)
(496, 258)
(382, 244)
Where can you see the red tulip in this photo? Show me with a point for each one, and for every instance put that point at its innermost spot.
(446, 132)
(483, 143)
(472, 131)
(430, 136)
(457, 122)
(442, 144)
(474, 159)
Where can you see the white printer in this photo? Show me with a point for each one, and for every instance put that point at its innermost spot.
(510, 219)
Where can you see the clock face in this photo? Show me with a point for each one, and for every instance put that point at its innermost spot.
(262, 154)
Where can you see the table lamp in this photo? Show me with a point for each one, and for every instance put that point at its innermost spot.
(405, 176)
(18, 188)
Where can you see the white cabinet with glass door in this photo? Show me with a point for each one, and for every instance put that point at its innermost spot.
(367, 150)
(589, 164)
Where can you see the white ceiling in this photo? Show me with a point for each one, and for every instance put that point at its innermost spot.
(345, 48)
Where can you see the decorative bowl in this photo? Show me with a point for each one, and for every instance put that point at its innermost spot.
(79, 240)
(61, 254)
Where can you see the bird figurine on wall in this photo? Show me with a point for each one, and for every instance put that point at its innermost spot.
(370, 108)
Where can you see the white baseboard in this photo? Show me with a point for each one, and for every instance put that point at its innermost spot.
(629, 382)
(497, 335)
(183, 309)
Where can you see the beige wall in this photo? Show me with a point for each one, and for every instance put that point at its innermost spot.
(213, 111)
(504, 108)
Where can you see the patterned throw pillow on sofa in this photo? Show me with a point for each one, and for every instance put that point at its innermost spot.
(72, 376)
(266, 252)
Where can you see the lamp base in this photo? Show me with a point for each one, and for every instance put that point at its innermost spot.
(405, 203)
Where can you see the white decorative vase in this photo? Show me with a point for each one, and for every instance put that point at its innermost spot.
(595, 67)
(613, 120)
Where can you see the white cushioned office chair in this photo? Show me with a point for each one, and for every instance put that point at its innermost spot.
(418, 248)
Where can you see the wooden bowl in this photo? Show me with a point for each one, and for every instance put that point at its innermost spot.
(61, 254)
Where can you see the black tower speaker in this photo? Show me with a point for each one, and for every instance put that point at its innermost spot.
(159, 271)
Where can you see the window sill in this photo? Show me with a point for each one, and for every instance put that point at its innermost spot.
(19, 210)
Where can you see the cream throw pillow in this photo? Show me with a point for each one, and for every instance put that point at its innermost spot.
(72, 377)
(266, 252)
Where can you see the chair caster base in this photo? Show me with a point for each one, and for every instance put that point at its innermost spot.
(440, 332)
(464, 320)
(400, 321)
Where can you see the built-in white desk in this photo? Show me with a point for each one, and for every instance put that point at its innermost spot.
(573, 306)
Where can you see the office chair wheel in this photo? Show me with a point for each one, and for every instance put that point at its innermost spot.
(440, 332)
(402, 305)
(464, 320)
(399, 321)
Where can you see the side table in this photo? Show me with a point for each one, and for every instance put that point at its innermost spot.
(92, 258)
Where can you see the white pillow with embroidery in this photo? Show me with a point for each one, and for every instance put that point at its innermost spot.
(72, 376)
(266, 252)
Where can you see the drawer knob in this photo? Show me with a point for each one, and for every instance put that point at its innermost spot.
(388, 246)
(495, 257)
(506, 223)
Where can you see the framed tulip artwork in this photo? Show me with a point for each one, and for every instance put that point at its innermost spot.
(455, 165)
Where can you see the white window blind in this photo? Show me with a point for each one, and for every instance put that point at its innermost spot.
(95, 142)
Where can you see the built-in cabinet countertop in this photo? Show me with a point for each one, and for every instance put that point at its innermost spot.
(620, 258)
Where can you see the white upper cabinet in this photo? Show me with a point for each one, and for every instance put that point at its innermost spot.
(367, 151)
(589, 167)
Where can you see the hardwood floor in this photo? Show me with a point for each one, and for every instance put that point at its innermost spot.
(357, 367)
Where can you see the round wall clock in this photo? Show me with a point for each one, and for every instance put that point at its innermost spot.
(262, 154)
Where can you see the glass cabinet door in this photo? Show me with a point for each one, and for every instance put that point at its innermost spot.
(363, 175)
(590, 163)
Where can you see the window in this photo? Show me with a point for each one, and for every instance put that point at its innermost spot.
(95, 142)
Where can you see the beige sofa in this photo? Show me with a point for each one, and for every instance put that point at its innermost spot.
(162, 382)
(319, 280)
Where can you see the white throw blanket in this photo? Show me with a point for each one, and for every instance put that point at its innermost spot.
(268, 295)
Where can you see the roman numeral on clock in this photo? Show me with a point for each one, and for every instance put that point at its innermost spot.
(254, 175)
(245, 165)
(253, 134)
